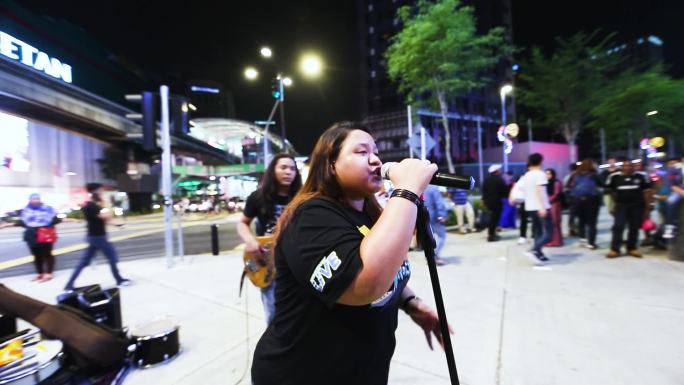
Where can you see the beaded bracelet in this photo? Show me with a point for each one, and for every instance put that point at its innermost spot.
(406, 194)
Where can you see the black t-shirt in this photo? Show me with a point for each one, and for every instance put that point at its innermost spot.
(266, 219)
(313, 339)
(628, 189)
(96, 226)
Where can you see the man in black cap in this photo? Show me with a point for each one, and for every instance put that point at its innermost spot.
(96, 218)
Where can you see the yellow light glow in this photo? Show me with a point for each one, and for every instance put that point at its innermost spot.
(311, 65)
(251, 73)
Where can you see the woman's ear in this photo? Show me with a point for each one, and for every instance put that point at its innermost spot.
(332, 167)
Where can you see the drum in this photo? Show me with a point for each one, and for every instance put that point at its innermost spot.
(40, 361)
(156, 342)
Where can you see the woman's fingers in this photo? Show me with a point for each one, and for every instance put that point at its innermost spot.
(428, 337)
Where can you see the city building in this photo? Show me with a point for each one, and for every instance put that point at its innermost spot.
(384, 108)
(63, 117)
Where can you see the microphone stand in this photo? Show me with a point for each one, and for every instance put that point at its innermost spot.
(426, 240)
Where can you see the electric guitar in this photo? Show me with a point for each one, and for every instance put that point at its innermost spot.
(260, 270)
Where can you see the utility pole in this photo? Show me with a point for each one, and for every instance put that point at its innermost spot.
(166, 175)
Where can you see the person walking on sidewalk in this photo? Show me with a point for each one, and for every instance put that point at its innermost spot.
(585, 189)
(494, 189)
(343, 268)
(38, 221)
(97, 217)
(537, 207)
(462, 206)
(278, 186)
(438, 217)
(554, 189)
(630, 191)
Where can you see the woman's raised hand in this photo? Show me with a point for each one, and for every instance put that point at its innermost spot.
(412, 174)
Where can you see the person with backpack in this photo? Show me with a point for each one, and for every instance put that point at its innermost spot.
(586, 193)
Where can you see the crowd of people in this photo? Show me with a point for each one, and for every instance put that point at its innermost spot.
(629, 193)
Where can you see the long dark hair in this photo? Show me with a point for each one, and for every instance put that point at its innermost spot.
(551, 185)
(268, 186)
(321, 182)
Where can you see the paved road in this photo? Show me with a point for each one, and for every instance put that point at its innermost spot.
(140, 238)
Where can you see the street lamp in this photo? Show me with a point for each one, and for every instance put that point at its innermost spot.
(251, 73)
(311, 65)
(287, 81)
(506, 89)
(266, 52)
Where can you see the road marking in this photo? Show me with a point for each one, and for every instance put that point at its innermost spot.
(80, 246)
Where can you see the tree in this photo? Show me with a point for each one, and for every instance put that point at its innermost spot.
(437, 55)
(562, 88)
(624, 103)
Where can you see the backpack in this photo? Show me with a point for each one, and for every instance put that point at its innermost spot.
(585, 186)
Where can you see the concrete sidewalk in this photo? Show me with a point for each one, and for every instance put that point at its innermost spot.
(582, 319)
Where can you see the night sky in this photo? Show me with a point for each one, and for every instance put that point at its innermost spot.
(216, 40)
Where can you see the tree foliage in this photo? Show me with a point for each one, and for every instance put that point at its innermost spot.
(623, 104)
(437, 55)
(562, 88)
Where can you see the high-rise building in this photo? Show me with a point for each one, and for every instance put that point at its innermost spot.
(384, 107)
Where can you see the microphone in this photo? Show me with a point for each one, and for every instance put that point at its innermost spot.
(439, 179)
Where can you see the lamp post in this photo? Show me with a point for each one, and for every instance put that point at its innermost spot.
(506, 89)
(311, 66)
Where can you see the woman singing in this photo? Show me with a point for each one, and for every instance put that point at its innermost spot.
(342, 268)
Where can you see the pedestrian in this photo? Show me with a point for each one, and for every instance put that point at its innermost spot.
(279, 184)
(554, 190)
(97, 217)
(438, 217)
(462, 206)
(629, 190)
(537, 207)
(585, 189)
(343, 268)
(605, 173)
(493, 191)
(572, 207)
(507, 220)
(674, 199)
(38, 221)
(522, 214)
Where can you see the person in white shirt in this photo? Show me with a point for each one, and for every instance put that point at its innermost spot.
(537, 206)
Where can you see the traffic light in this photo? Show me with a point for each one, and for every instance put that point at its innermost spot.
(275, 89)
(179, 115)
(147, 117)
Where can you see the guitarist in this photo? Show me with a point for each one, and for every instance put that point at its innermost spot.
(278, 186)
